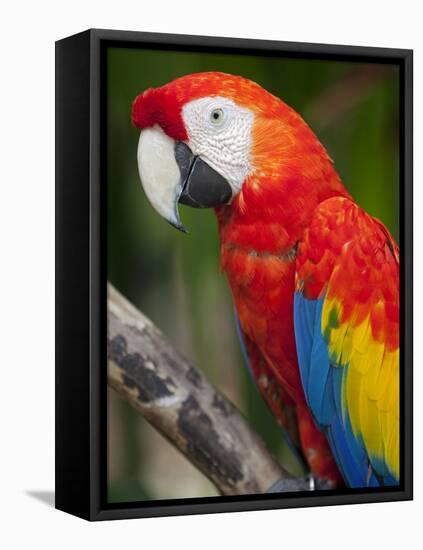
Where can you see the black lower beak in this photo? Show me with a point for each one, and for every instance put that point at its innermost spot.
(202, 186)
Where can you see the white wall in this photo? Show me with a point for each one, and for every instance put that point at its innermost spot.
(27, 269)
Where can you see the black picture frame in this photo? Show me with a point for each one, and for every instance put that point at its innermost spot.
(81, 305)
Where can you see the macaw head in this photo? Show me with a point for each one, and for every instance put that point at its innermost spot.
(207, 137)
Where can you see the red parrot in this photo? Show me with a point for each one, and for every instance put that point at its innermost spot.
(314, 278)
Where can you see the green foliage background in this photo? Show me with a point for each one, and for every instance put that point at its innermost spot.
(175, 278)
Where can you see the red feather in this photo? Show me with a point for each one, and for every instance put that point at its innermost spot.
(260, 230)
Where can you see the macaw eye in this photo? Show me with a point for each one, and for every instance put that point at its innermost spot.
(217, 116)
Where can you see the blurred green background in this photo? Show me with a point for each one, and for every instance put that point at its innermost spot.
(175, 278)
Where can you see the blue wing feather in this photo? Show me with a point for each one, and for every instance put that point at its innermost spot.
(243, 348)
(322, 384)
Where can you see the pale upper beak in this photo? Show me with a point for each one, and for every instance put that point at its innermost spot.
(170, 173)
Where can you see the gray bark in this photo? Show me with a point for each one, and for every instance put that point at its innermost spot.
(175, 397)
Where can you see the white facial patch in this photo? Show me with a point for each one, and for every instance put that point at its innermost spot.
(159, 173)
(220, 133)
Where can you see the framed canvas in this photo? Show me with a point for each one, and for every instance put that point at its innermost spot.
(244, 355)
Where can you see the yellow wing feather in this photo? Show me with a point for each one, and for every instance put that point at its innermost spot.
(371, 386)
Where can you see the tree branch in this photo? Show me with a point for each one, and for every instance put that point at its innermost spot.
(174, 396)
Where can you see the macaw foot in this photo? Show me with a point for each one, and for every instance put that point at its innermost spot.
(308, 483)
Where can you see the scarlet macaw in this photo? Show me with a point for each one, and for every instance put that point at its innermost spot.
(314, 278)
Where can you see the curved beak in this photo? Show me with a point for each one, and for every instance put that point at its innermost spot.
(171, 174)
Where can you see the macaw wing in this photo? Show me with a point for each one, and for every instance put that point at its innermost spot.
(346, 317)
